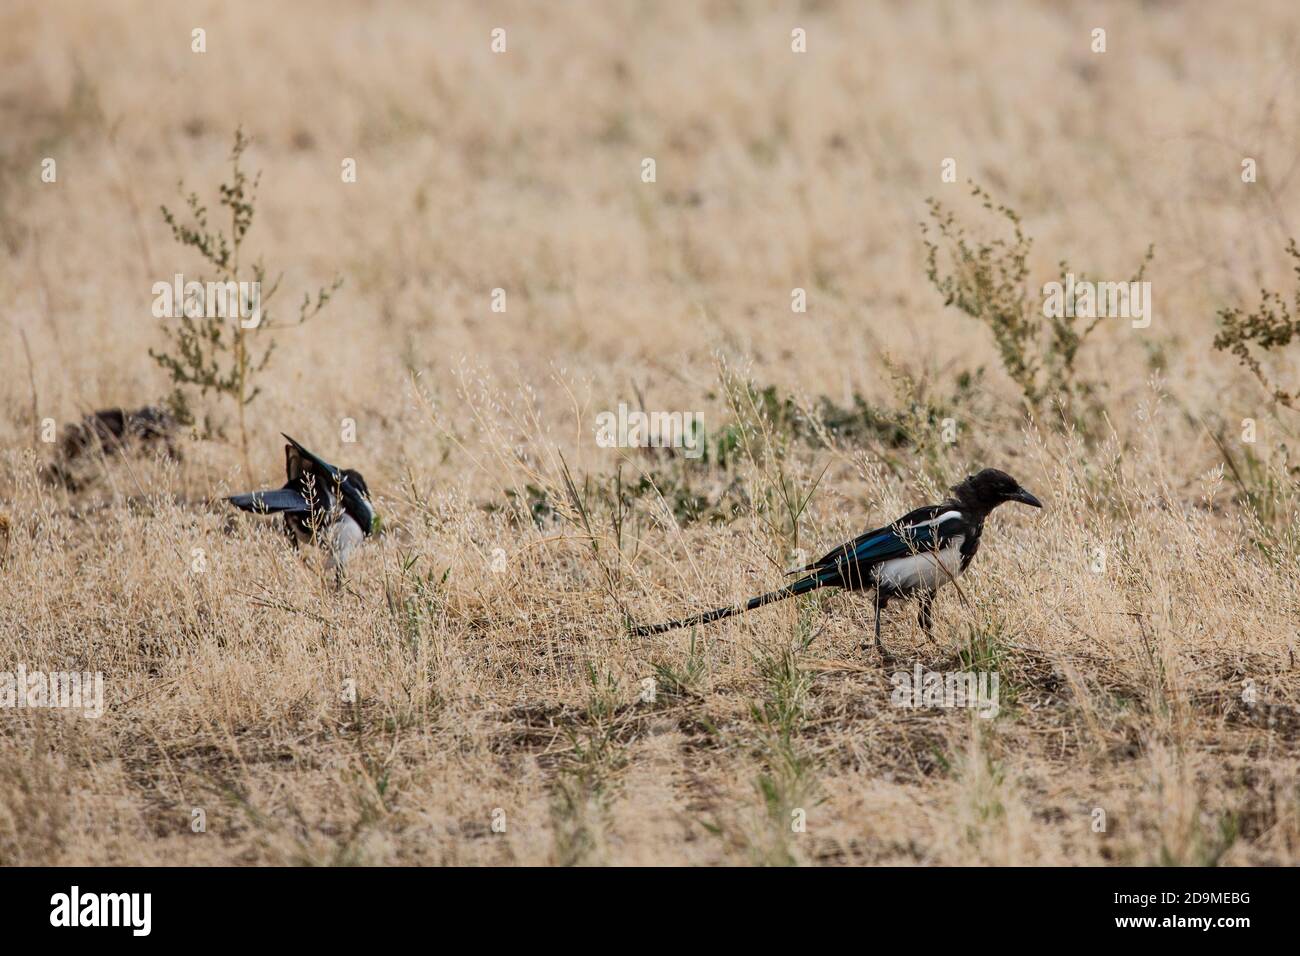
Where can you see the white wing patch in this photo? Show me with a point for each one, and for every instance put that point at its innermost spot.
(932, 522)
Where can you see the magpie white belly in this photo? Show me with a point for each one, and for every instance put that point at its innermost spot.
(928, 571)
(345, 537)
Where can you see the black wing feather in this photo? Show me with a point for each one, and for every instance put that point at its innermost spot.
(851, 548)
(272, 502)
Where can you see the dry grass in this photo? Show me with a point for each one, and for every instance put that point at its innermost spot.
(480, 691)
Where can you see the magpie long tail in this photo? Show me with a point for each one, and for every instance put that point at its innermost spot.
(780, 594)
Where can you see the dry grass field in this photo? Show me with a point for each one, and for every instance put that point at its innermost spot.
(471, 694)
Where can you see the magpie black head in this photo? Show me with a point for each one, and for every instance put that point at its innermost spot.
(989, 488)
(353, 477)
(356, 498)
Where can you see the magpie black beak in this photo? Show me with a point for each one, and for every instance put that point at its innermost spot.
(1025, 497)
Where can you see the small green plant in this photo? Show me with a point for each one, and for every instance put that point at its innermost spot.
(763, 425)
(986, 279)
(924, 418)
(679, 683)
(603, 700)
(787, 783)
(985, 650)
(1271, 326)
(984, 781)
(914, 421)
(985, 647)
(1267, 487)
(766, 429)
(216, 352)
(585, 772)
(416, 601)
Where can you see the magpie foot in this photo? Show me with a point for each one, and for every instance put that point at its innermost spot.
(868, 646)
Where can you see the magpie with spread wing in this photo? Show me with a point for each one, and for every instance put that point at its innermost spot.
(916, 555)
(319, 502)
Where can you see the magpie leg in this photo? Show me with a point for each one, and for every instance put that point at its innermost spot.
(924, 616)
(879, 646)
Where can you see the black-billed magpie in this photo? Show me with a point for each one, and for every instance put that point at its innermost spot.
(319, 502)
(916, 555)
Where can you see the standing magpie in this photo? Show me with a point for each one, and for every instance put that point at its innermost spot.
(319, 502)
(916, 555)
